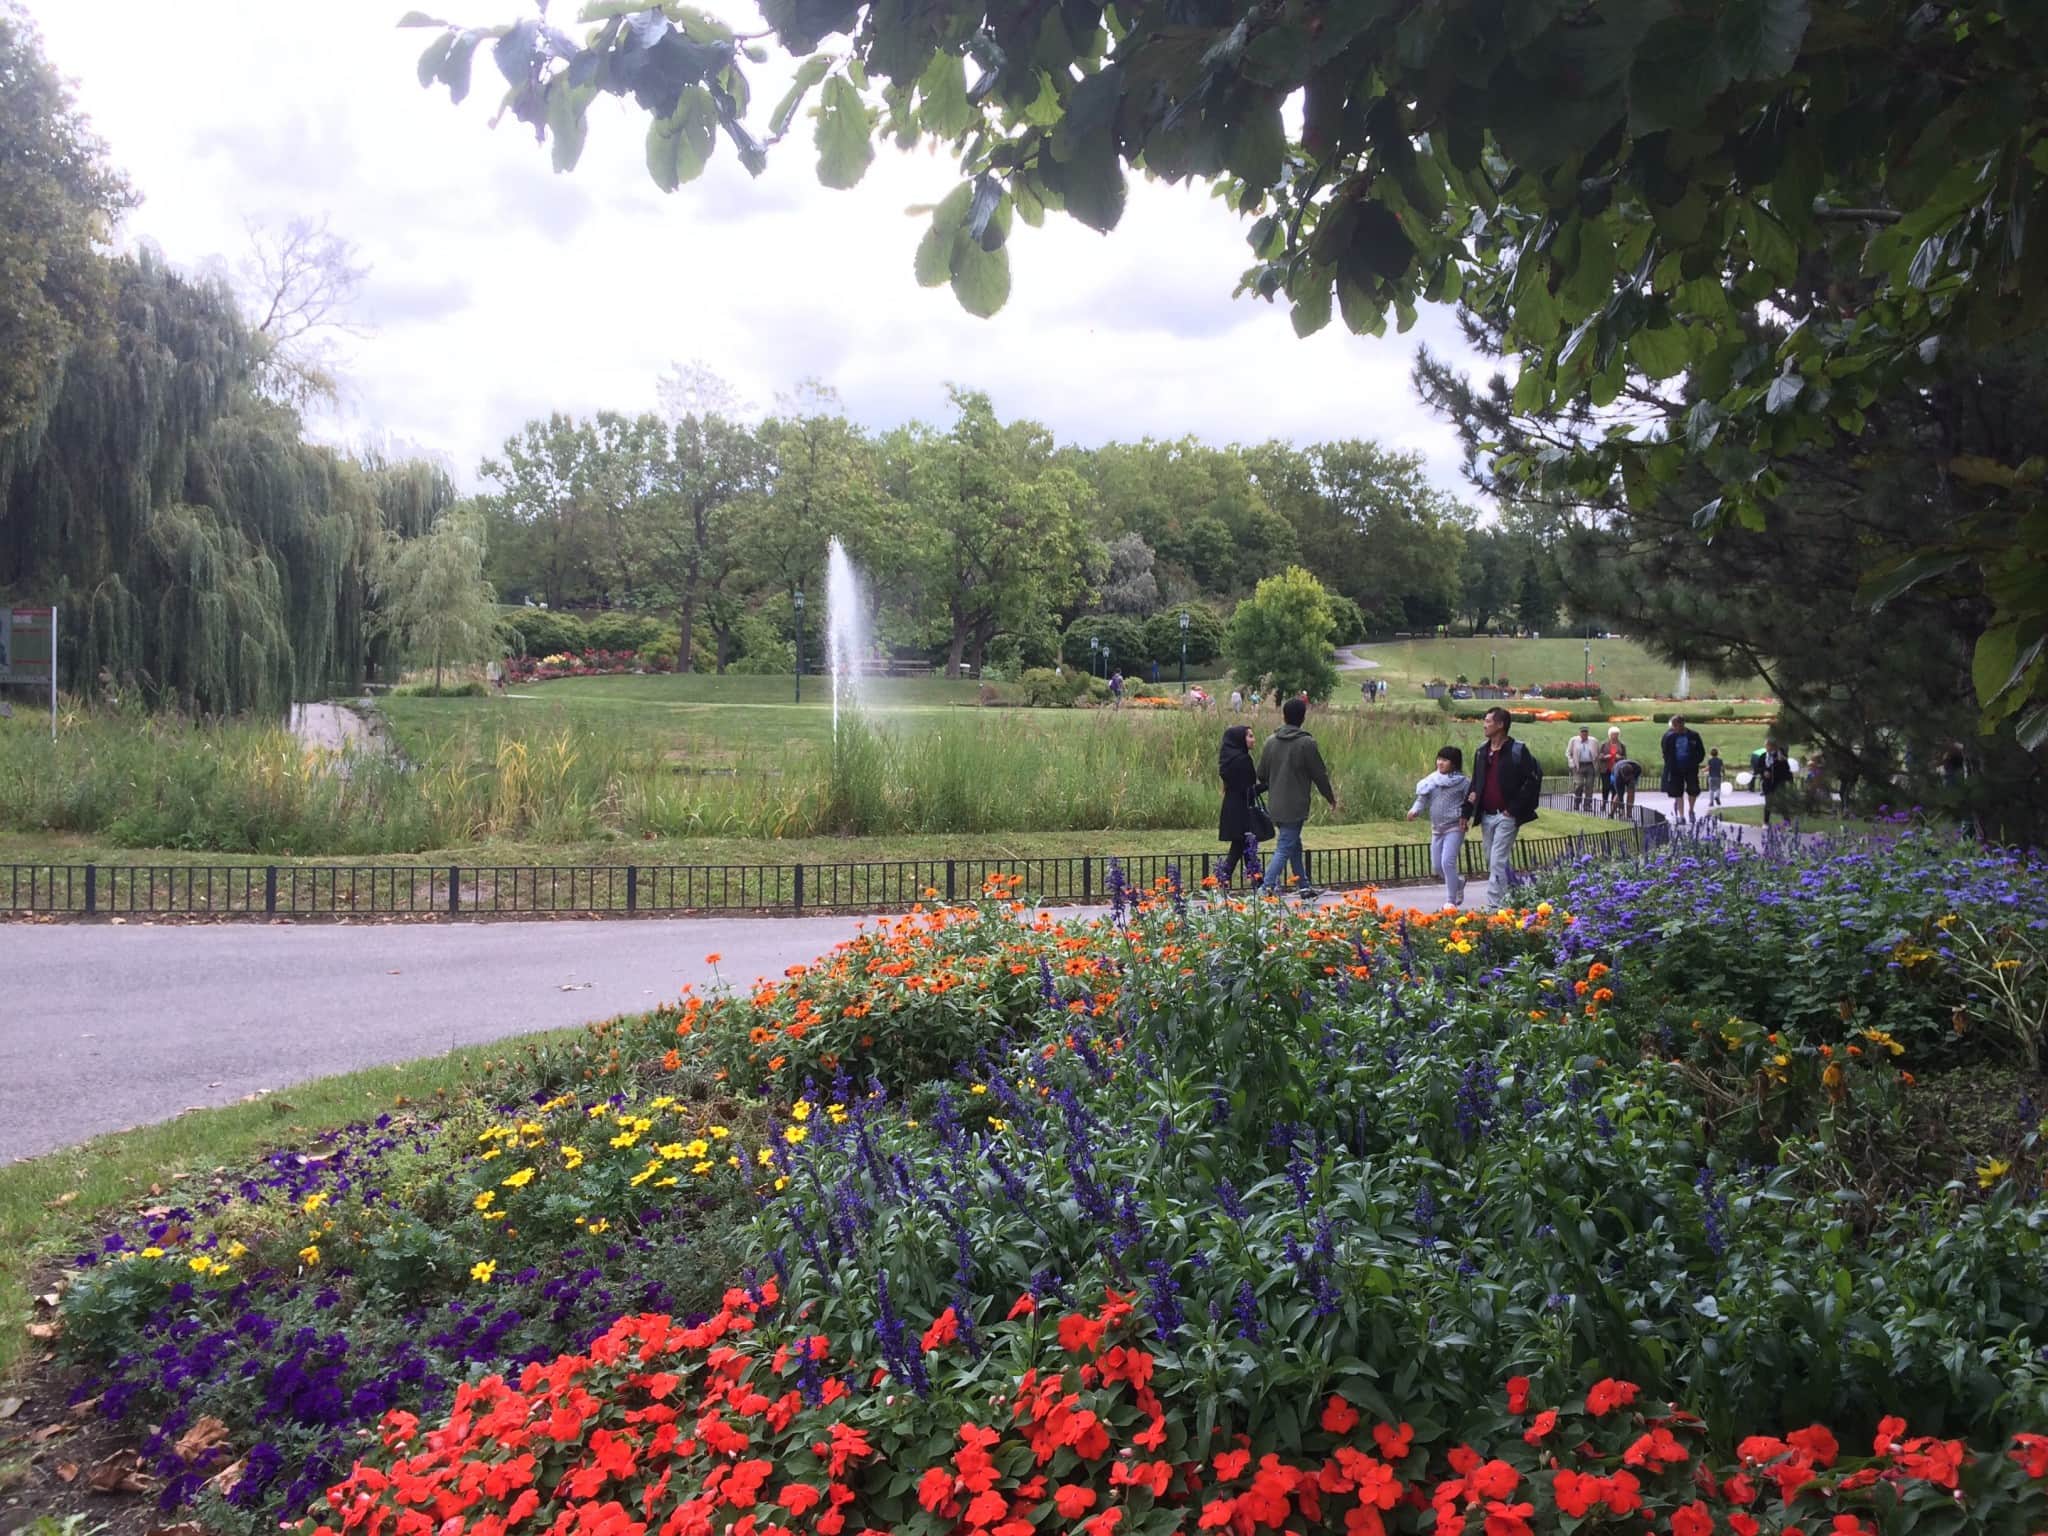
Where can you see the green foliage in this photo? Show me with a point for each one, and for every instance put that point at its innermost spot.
(1047, 688)
(1348, 620)
(544, 632)
(1799, 208)
(434, 596)
(1124, 644)
(1283, 632)
(622, 631)
(1205, 635)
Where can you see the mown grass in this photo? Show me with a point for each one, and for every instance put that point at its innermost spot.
(47, 1202)
(1622, 667)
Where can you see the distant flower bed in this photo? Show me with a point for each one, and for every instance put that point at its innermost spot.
(540, 669)
(1579, 690)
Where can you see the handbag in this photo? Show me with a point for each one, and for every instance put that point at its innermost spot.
(1262, 820)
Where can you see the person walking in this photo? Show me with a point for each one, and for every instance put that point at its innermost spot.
(1717, 774)
(1240, 823)
(1611, 752)
(1684, 753)
(1442, 796)
(1507, 783)
(1582, 761)
(1628, 773)
(1237, 701)
(1116, 689)
(1773, 778)
(1291, 765)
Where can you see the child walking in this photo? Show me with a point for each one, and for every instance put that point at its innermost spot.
(1715, 771)
(1442, 795)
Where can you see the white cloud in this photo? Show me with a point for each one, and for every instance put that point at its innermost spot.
(500, 290)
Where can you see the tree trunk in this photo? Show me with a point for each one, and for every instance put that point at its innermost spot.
(724, 644)
(955, 648)
(437, 670)
(686, 625)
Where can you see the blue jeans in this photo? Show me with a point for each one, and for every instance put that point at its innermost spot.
(1287, 855)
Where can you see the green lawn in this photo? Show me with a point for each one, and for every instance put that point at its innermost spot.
(1622, 667)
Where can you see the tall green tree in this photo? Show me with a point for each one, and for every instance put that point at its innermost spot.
(1283, 632)
(1627, 188)
(706, 468)
(540, 524)
(58, 202)
(434, 598)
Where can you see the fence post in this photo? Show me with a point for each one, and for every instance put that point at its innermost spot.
(797, 890)
(270, 890)
(454, 888)
(92, 893)
(632, 887)
(1087, 878)
(950, 875)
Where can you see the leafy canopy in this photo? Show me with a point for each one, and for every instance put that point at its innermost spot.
(1283, 632)
(1633, 187)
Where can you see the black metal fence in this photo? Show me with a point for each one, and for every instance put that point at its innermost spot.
(473, 890)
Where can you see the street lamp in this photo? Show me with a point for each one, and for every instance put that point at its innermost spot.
(1183, 650)
(799, 645)
(1589, 655)
(1093, 645)
(1493, 665)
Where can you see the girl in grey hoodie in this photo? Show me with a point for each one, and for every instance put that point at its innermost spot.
(1442, 796)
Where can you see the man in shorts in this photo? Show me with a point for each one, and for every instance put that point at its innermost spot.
(1684, 755)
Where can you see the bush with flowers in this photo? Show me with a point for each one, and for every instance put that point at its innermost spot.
(1203, 1179)
(587, 663)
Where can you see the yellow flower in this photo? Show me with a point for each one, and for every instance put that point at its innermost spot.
(315, 1200)
(732, 1160)
(782, 1182)
(518, 1180)
(673, 1151)
(646, 1173)
(1991, 1171)
(483, 1201)
(837, 1112)
(765, 1156)
(703, 1167)
(1544, 909)
(597, 1111)
(717, 1132)
(642, 1124)
(794, 1134)
(800, 1111)
(698, 1148)
(482, 1272)
(152, 1253)
(496, 1215)
(625, 1139)
(979, 1088)
(310, 1255)
(997, 1125)
(199, 1263)
(663, 1102)
(530, 1129)
(236, 1250)
(572, 1156)
(667, 1183)
(495, 1151)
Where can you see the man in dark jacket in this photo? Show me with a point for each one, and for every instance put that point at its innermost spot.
(1507, 783)
(1684, 755)
(1291, 764)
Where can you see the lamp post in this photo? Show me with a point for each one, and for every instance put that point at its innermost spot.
(1183, 650)
(1093, 645)
(1493, 665)
(799, 645)
(1589, 655)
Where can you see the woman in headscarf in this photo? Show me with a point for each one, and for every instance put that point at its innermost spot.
(1238, 819)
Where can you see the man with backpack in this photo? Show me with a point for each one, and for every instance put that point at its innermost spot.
(1507, 783)
(1290, 766)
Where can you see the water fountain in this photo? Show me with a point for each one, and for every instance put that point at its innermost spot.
(847, 641)
(1684, 682)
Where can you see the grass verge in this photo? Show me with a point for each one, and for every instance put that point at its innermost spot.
(46, 1202)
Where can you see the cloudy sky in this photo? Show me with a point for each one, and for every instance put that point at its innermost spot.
(499, 290)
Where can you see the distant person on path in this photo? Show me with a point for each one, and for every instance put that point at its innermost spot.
(1611, 753)
(1155, 674)
(1238, 821)
(1116, 689)
(1237, 701)
(1507, 782)
(1773, 778)
(1716, 772)
(1291, 765)
(1684, 755)
(1582, 761)
(1442, 796)
(1628, 773)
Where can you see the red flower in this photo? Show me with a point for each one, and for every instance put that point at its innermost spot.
(1508, 1519)
(1078, 1333)
(1494, 1480)
(935, 1490)
(1575, 1492)
(1889, 1429)
(1621, 1493)
(1073, 1500)
(798, 1497)
(1393, 1442)
(1609, 1394)
(1518, 1394)
(1540, 1426)
(987, 1508)
(1692, 1520)
(1339, 1417)
(1817, 1442)
(945, 1329)
(1656, 1451)
(1023, 1306)
(1743, 1525)
(1105, 1523)
(1231, 1464)
(2031, 1452)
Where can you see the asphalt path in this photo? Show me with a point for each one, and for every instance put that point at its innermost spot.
(104, 1027)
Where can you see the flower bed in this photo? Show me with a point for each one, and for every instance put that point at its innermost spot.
(1179, 1179)
(541, 669)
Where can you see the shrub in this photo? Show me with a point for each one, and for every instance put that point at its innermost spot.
(544, 632)
(1124, 639)
(622, 631)
(1205, 635)
(1044, 688)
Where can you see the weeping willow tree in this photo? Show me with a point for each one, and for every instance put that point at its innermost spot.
(215, 561)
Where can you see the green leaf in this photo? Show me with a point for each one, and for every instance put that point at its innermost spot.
(943, 107)
(2032, 727)
(1661, 351)
(1898, 577)
(679, 146)
(981, 279)
(845, 143)
(1771, 245)
(807, 76)
(1311, 297)
(1759, 39)
(935, 256)
(567, 122)
(1362, 313)
(1991, 664)
(434, 57)
(1784, 391)
(1091, 186)
(605, 10)
(1257, 146)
